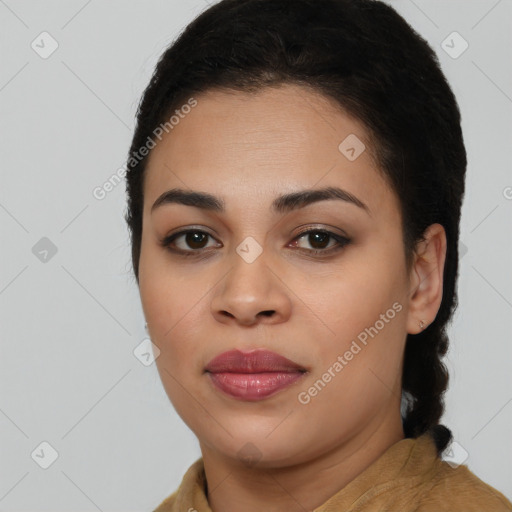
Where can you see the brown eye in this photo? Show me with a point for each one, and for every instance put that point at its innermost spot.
(319, 241)
(195, 239)
(186, 242)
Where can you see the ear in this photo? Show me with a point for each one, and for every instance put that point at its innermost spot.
(426, 289)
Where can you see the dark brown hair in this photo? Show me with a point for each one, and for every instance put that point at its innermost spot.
(365, 57)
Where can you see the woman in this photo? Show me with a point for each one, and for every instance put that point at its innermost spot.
(294, 193)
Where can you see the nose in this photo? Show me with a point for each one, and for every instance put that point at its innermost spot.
(251, 293)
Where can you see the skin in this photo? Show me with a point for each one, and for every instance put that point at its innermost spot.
(247, 149)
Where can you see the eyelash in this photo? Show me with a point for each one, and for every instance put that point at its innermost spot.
(341, 241)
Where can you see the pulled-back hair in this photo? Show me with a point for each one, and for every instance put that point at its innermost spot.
(366, 57)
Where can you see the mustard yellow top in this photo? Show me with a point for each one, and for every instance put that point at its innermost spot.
(408, 477)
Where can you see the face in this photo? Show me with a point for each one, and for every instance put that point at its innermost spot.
(245, 276)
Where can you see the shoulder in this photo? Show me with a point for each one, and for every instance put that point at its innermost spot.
(167, 504)
(191, 491)
(456, 489)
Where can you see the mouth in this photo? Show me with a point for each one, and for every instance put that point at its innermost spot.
(252, 375)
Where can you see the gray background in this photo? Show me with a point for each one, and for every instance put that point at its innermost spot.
(69, 324)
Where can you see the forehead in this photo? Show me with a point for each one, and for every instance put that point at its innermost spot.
(240, 145)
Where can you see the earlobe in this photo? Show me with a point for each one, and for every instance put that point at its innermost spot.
(426, 280)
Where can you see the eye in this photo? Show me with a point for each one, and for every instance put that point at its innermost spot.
(319, 240)
(183, 241)
(192, 242)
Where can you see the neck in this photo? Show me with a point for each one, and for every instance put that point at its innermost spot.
(233, 486)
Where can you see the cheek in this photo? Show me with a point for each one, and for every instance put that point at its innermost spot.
(359, 367)
(166, 295)
(175, 307)
(353, 299)
(363, 307)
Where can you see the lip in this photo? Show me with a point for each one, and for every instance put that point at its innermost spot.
(253, 375)
(255, 361)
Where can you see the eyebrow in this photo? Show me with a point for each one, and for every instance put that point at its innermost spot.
(281, 204)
